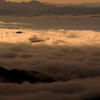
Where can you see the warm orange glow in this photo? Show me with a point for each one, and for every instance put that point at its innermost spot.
(52, 37)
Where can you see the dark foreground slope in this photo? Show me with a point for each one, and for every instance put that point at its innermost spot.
(19, 76)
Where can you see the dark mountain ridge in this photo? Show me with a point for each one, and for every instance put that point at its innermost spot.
(19, 76)
(96, 4)
(36, 8)
(23, 7)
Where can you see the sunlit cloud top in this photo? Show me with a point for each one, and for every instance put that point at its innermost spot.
(51, 37)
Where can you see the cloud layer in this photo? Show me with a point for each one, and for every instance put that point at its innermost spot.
(71, 90)
(70, 57)
(49, 37)
(61, 62)
(51, 22)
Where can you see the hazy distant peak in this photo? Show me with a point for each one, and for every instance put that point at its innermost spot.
(96, 4)
(55, 4)
(33, 1)
(86, 4)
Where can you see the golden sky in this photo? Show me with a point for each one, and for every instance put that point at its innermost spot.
(60, 1)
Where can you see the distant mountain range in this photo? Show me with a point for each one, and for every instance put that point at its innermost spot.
(36, 8)
(22, 8)
(97, 4)
(55, 4)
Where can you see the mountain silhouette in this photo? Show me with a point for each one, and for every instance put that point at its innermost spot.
(96, 4)
(94, 98)
(19, 76)
(36, 8)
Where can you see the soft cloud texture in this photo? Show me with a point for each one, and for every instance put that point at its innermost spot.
(71, 57)
(71, 90)
(86, 22)
(55, 37)
(76, 67)
(61, 62)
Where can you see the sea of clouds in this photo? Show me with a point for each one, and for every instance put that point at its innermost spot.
(71, 57)
(68, 22)
(68, 50)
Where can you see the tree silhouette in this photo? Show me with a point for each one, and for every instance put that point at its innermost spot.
(94, 98)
